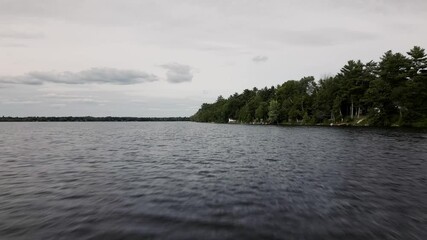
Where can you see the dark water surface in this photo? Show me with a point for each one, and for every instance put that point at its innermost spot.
(205, 181)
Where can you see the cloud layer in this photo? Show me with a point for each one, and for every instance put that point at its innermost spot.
(91, 76)
(233, 43)
(324, 36)
(259, 59)
(178, 73)
(20, 35)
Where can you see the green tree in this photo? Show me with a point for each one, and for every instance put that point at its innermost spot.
(394, 90)
(261, 112)
(416, 98)
(273, 111)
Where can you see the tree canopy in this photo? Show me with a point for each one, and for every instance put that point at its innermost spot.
(392, 91)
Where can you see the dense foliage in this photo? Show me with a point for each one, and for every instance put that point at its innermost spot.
(390, 92)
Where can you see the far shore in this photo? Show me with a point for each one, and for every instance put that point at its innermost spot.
(93, 119)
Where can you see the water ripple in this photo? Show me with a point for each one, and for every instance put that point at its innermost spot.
(208, 181)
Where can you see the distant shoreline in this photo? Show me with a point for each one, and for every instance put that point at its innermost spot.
(94, 119)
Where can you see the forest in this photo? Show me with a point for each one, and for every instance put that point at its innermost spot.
(391, 92)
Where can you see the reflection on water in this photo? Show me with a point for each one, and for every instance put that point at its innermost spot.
(206, 181)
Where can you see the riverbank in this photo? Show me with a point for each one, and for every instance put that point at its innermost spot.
(357, 122)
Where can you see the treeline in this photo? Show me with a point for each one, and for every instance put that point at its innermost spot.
(93, 119)
(390, 92)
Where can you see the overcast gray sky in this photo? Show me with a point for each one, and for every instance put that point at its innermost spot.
(165, 58)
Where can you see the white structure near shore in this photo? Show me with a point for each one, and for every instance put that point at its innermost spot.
(232, 120)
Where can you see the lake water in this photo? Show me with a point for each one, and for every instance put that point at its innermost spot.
(188, 180)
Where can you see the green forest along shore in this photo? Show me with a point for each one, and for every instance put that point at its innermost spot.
(391, 92)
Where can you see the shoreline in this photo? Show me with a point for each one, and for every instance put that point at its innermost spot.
(357, 124)
(333, 125)
(94, 119)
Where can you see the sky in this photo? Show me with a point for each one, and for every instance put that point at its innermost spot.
(147, 58)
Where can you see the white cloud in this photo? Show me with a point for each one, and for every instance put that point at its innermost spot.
(323, 36)
(259, 59)
(91, 76)
(24, 102)
(20, 35)
(178, 73)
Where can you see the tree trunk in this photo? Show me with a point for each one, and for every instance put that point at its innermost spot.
(351, 109)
